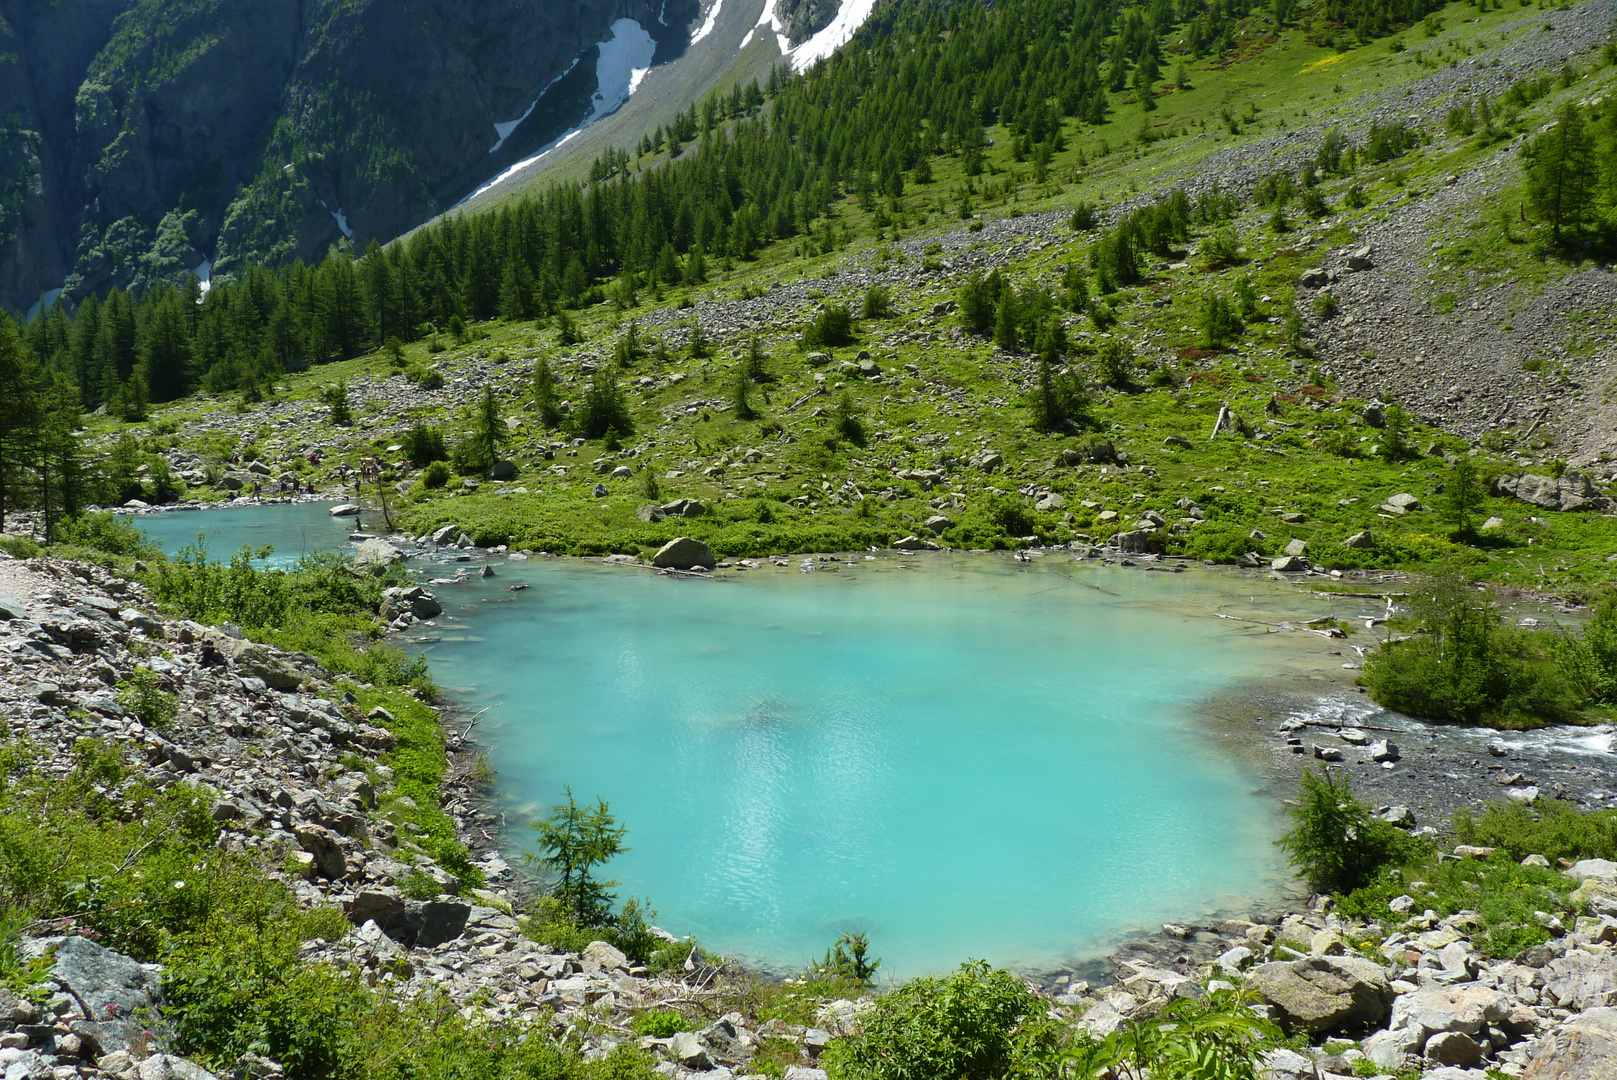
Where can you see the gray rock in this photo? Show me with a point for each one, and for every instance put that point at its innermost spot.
(1453, 1048)
(1289, 564)
(605, 956)
(684, 553)
(323, 844)
(803, 1072)
(1360, 258)
(687, 1050)
(344, 510)
(1360, 540)
(1139, 542)
(1297, 547)
(1321, 994)
(987, 460)
(650, 514)
(376, 552)
(1384, 750)
(169, 1067)
(503, 470)
(1401, 816)
(1236, 959)
(1468, 1009)
(117, 993)
(1404, 501)
(446, 535)
(599, 491)
(1581, 981)
(1052, 501)
(1317, 278)
(914, 543)
(1392, 1050)
(1584, 1048)
(1329, 753)
(938, 523)
(11, 608)
(1599, 869)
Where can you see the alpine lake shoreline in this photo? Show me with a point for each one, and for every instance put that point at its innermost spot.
(473, 947)
(1308, 713)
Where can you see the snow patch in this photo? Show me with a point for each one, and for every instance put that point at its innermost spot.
(44, 303)
(342, 223)
(620, 67)
(772, 20)
(505, 130)
(709, 23)
(660, 20)
(204, 275)
(850, 17)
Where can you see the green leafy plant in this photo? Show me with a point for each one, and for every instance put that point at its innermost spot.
(573, 841)
(1336, 843)
(143, 695)
(963, 1026)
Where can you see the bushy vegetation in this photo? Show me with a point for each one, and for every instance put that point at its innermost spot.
(319, 606)
(1466, 664)
(964, 1025)
(1336, 843)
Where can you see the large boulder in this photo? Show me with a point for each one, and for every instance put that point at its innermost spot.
(684, 553)
(118, 994)
(914, 543)
(1585, 1047)
(1572, 490)
(344, 510)
(376, 552)
(1140, 542)
(1320, 994)
(1467, 1008)
(1582, 980)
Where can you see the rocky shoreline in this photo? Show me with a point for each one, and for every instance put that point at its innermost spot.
(273, 739)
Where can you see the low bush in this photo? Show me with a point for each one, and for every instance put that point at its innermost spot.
(1336, 843)
(963, 1026)
(1553, 829)
(659, 1023)
(831, 328)
(1467, 666)
(436, 475)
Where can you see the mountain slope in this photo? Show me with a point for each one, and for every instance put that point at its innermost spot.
(142, 139)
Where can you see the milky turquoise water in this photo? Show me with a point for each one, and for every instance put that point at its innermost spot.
(966, 758)
(293, 529)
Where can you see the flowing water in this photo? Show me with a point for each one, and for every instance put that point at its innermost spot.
(959, 755)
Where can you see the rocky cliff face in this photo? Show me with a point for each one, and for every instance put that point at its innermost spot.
(142, 138)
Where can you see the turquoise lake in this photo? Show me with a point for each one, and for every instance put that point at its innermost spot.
(962, 756)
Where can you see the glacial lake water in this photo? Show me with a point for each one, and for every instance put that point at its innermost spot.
(962, 756)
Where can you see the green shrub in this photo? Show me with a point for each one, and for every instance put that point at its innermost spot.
(1219, 324)
(1553, 829)
(142, 694)
(111, 534)
(831, 328)
(431, 379)
(1221, 249)
(1466, 666)
(424, 445)
(1504, 893)
(961, 1027)
(20, 547)
(878, 303)
(1335, 843)
(659, 1023)
(849, 959)
(1221, 543)
(436, 475)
